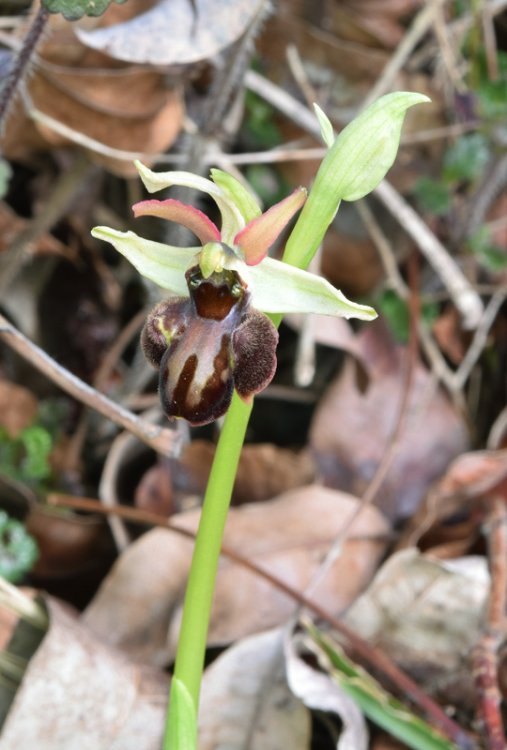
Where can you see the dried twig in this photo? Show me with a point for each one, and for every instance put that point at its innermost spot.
(16, 74)
(461, 291)
(65, 189)
(161, 439)
(371, 655)
(480, 337)
(411, 38)
(485, 654)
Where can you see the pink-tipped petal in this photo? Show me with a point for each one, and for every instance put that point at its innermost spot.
(181, 213)
(259, 234)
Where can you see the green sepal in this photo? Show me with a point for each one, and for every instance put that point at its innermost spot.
(237, 193)
(277, 287)
(165, 265)
(232, 219)
(326, 128)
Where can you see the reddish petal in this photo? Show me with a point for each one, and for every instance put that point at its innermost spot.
(257, 237)
(188, 216)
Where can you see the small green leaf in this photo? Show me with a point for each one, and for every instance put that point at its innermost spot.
(466, 158)
(432, 196)
(375, 702)
(326, 127)
(181, 732)
(72, 10)
(488, 254)
(395, 311)
(163, 264)
(18, 550)
(5, 176)
(37, 443)
(237, 193)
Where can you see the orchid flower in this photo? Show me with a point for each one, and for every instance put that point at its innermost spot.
(212, 337)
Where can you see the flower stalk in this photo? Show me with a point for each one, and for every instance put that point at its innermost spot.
(356, 162)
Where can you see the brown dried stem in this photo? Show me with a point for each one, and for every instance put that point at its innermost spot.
(485, 655)
(16, 74)
(161, 439)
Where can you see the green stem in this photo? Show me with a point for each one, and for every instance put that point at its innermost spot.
(201, 583)
(181, 726)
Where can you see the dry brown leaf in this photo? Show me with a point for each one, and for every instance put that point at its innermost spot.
(427, 615)
(450, 336)
(468, 478)
(264, 470)
(245, 700)
(124, 107)
(141, 599)
(175, 31)
(351, 430)
(18, 407)
(79, 694)
(68, 543)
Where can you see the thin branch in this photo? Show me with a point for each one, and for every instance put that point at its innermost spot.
(372, 656)
(411, 38)
(460, 289)
(485, 654)
(480, 337)
(161, 439)
(56, 205)
(14, 78)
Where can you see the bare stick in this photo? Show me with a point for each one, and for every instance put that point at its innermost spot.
(480, 337)
(461, 291)
(161, 439)
(485, 655)
(372, 656)
(18, 70)
(414, 34)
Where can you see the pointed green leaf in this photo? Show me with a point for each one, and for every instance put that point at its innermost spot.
(181, 731)
(279, 288)
(326, 128)
(232, 220)
(163, 264)
(375, 702)
(238, 194)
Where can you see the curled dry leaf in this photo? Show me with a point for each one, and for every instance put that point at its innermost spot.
(468, 478)
(141, 599)
(318, 691)
(246, 702)
(18, 407)
(79, 694)
(175, 31)
(427, 615)
(124, 107)
(351, 430)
